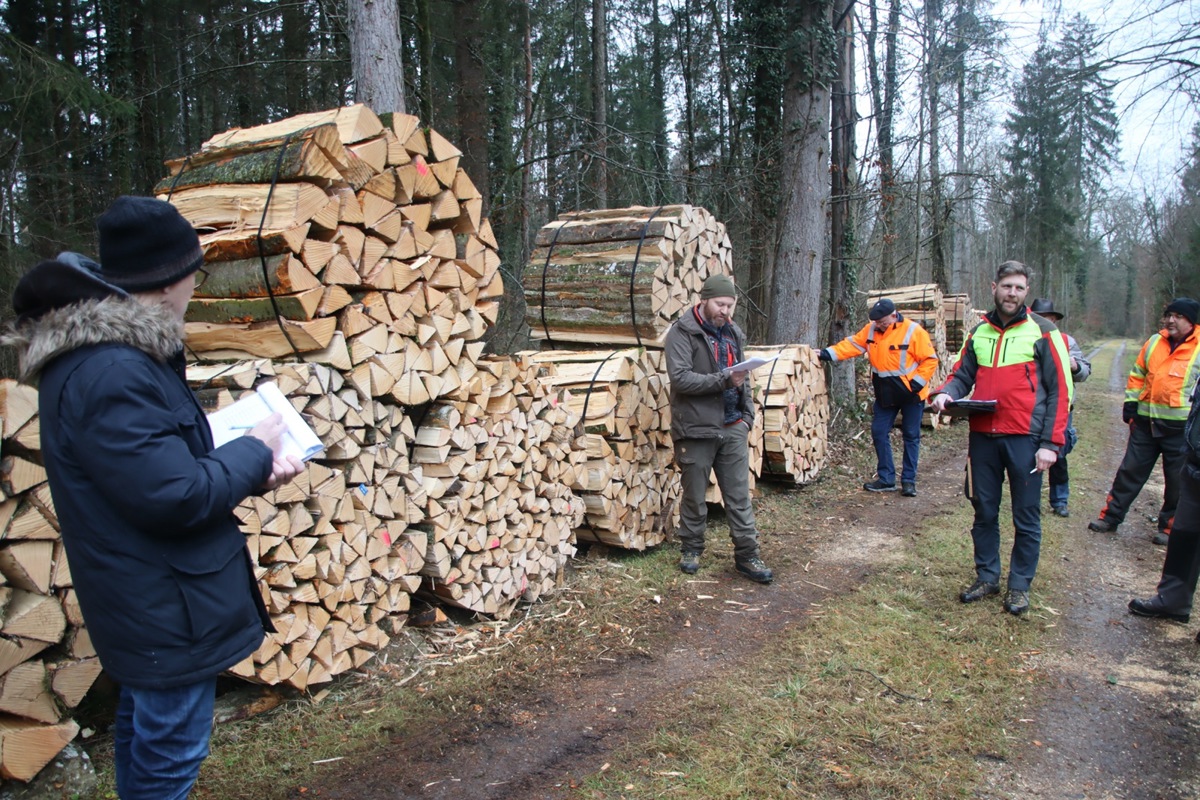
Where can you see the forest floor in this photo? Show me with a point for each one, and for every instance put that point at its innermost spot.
(1095, 704)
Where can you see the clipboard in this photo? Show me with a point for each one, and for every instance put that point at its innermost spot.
(965, 408)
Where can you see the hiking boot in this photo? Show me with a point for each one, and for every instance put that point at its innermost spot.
(1153, 607)
(1160, 537)
(979, 590)
(879, 486)
(689, 563)
(754, 569)
(1016, 602)
(1061, 511)
(1102, 526)
(908, 489)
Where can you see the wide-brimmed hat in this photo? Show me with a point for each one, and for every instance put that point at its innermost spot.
(1045, 308)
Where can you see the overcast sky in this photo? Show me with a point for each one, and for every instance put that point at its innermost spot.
(1155, 118)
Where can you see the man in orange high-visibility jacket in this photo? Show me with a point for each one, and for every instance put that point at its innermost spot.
(1156, 409)
(903, 362)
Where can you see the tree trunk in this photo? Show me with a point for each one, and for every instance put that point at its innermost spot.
(296, 26)
(600, 102)
(375, 63)
(804, 185)
(933, 80)
(472, 95)
(425, 54)
(765, 94)
(883, 97)
(842, 272)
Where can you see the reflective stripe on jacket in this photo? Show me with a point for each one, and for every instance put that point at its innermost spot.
(1162, 379)
(904, 352)
(1025, 368)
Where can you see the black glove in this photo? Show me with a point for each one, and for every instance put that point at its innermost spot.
(1129, 411)
(823, 356)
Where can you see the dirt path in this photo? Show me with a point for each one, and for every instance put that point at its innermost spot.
(1119, 719)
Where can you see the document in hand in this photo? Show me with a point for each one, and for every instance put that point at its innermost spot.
(234, 420)
(751, 364)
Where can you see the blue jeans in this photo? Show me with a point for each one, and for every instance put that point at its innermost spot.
(1060, 478)
(910, 429)
(160, 739)
(989, 460)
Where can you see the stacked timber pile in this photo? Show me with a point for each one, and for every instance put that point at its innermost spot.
(922, 304)
(960, 319)
(622, 465)
(620, 276)
(337, 238)
(793, 402)
(336, 558)
(47, 663)
(497, 469)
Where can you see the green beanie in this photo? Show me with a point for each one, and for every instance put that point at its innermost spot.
(718, 286)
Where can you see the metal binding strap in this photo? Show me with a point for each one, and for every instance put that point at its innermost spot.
(583, 416)
(633, 273)
(187, 162)
(262, 254)
(545, 269)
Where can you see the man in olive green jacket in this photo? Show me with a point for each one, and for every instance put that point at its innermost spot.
(711, 416)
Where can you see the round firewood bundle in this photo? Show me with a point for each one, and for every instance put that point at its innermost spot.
(335, 557)
(47, 663)
(341, 238)
(791, 397)
(620, 276)
(500, 516)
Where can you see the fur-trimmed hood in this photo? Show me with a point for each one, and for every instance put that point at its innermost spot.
(118, 319)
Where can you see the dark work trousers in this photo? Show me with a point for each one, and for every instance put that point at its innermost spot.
(989, 458)
(1060, 478)
(1146, 443)
(728, 456)
(1182, 565)
(910, 428)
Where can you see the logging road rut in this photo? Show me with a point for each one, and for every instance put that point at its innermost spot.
(1119, 719)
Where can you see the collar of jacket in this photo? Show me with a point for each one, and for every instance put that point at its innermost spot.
(154, 330)
(994, 318)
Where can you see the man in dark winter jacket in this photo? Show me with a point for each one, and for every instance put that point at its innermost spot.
(711, 415)
(143, 500)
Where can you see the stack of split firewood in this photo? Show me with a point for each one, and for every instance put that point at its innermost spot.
(497, 471)
(960, 319)
(336, 558)
(791, 399)
(341, 238)
(620, 276)
(622, 465)
(47, 663)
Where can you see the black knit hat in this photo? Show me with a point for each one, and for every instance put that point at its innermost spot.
(146, 244)
(1185, 307)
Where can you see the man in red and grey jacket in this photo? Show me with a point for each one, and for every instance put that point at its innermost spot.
(1020, 361)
